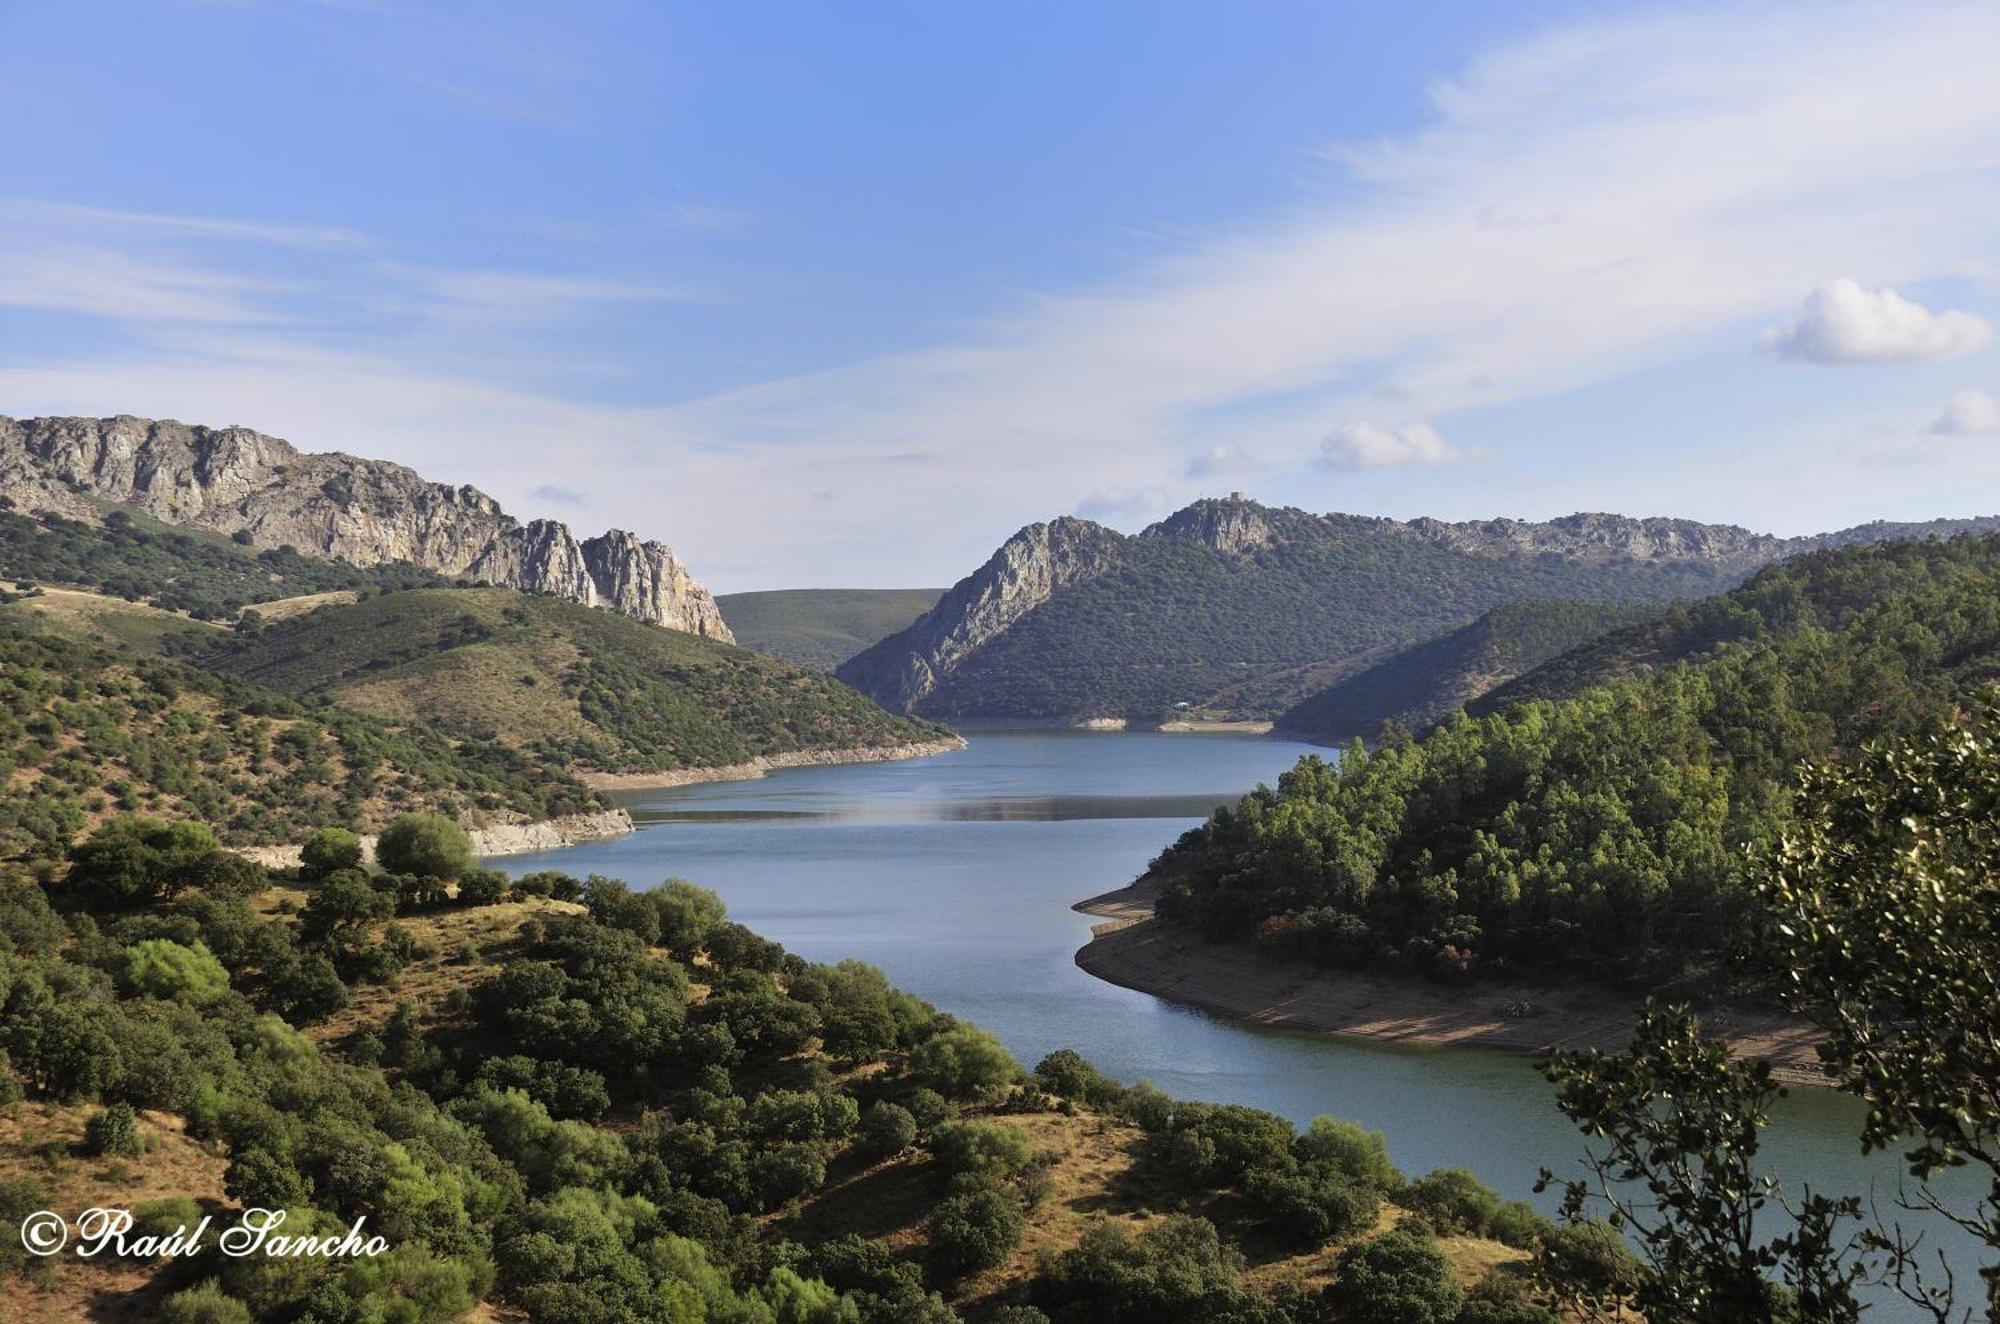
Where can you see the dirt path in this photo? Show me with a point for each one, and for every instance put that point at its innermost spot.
(1134, 950)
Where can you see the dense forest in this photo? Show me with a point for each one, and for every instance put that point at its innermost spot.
(572, 685)
(1414, 687)
(1605, 829)
(205, 575)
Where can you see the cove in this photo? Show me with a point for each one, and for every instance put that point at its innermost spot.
(955, 874)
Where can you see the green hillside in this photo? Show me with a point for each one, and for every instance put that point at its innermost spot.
(202, 574)
(1193, 616)
(569, 684)
(1417, 686)
(88, 731)
(822, 627)
(1606, 831)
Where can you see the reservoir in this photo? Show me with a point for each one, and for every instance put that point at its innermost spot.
(955, 875)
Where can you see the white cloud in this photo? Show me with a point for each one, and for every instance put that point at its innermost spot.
(1365, 445)
(1223, 461)
(1969, 412)
(1844, 322)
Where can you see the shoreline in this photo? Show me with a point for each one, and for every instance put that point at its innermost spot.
(1134, 950)
(769, 763)
(488, 842)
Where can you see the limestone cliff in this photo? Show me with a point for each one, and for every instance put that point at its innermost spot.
(1029, 567)
(242, 483)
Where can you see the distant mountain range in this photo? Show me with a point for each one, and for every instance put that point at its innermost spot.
(1232, 610)
(265, 493)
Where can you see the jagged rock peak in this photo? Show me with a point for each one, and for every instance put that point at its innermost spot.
(1235, 525)
(236, 481)
(1595, 534)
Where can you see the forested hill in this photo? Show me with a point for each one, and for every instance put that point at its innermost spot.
(1414, 687)
(1231, 609)
(1606, 831)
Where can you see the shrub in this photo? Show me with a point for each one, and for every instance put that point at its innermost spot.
(482, 887)
(135, 861)
(1310, 1206)
(964, 1062)
(1350, 1149)
(928, 1109)
(687, 915)
(327, 850)
(427, 845)
(1400, 1277)
(886, 1130)
(204, 1303)
(974, 1232)
(113, 1130)
(159, 968)
(1451, 1200)
(1065, 1074)
(983, 1152)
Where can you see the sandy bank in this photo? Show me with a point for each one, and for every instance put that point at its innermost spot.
(498, 839)
(758, 767)
(1134, 950)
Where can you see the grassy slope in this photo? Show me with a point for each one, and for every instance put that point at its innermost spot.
(95, 618)
(1175, 621)
(88, 731)
(567, 682)
(1419, 685)
(822, 627)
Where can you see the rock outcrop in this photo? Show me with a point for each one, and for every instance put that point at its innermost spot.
(1029, 567)
(266, 492)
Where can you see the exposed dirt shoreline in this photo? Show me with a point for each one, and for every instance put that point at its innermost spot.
(758, 767)
(1134, 950)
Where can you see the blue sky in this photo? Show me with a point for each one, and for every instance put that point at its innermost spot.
(844, 294)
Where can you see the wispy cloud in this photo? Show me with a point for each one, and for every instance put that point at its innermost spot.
(1968, 413)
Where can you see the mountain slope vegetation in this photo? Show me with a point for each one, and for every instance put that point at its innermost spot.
(822, 627)
(87, 731)
(1228, 609)
(569, 684)
(211, 578)
(1605, 832)
(566, 1102)
(1416, 686)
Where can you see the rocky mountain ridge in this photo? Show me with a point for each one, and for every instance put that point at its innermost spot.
(265, 492)
(1626, 558)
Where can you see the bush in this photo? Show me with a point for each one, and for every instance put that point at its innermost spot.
(427, 845)
(136, 861)
(1452, 1200)
(928, 1109)
(886, 1130)
(1309, 1206)
(688, 914)
(205, 1303)
(1400, 1277)
(159, 968)
(113, 1130)
(970, 1233)
(482, 887)
(983, 1152)
(1350, 1149)
(327, 850)
(964, 1062)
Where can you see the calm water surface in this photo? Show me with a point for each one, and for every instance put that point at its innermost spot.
(955, 874)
